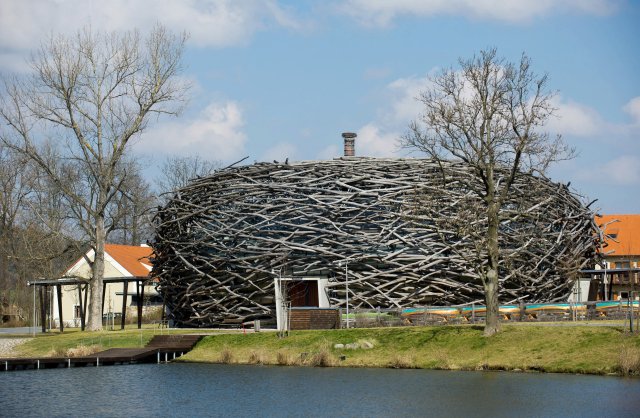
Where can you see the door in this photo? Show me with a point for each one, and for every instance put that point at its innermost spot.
(303, 293)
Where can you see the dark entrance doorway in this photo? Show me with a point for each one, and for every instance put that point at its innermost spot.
(303, 293)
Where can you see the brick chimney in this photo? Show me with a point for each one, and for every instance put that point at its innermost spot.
(349, 144)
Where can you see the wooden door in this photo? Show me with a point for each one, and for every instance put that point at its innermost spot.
(303, 293)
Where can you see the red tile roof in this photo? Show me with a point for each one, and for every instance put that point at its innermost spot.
(132, 258)
(624, 235)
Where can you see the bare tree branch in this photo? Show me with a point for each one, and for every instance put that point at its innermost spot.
(90, 95)
(488, 114)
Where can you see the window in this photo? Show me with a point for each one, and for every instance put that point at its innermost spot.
(76, 311)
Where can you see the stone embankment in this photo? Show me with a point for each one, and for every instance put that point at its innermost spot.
(8, 345)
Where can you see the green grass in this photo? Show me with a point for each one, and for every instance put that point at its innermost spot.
(56, 343)
(551, 349)
(567, 349)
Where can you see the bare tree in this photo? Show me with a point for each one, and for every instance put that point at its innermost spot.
(33, 237)
(90, 94)
(130, 211)
(176, 172)
(488, 114)
(15, 188)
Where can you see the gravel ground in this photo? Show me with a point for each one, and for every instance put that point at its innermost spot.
(7, 345)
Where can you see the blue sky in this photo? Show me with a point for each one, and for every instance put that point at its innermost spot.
(277, 79)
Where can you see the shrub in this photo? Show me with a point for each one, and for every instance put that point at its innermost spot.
(226, 356)
(629, 360)
(57, 352)
(400, 361)
(284, 358)
(442, 358)
(257, 357)
(323, 358)
(14, 322)
(83, 350)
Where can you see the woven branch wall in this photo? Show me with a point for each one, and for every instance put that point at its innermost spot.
(411, 237)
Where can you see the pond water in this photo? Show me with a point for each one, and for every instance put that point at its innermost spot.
(203, 390)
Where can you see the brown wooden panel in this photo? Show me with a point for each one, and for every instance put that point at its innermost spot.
(314, 319)
(303, 293)
(594, 286)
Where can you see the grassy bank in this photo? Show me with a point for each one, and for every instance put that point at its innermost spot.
(568, 349)
(74, 342)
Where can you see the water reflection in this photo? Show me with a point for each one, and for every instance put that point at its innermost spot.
(187, 390)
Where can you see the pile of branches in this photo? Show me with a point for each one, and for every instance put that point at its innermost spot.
(410, 230)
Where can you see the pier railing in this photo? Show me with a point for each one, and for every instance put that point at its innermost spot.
(464, 314)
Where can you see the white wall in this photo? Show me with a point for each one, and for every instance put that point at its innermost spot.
(281, 311)
(580, 291)
(112, 300)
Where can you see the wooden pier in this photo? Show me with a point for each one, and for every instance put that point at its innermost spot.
(161, 348)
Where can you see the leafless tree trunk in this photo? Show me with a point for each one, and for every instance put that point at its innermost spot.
(33, 240)
(89, 95)
(14, 190)
(488, 114)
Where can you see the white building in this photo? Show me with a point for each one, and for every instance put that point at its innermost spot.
(121, 261)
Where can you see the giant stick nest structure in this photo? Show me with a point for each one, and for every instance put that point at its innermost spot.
(411, 236)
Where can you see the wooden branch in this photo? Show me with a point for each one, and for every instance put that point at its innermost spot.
(410, 238)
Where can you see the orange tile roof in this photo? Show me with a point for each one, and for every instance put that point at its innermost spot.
(626, 232)
(132, 258)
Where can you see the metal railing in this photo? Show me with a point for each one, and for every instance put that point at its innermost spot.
(475, 314)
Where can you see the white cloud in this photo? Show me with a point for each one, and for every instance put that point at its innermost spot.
(576, 119)
(405, 96)
(280, 152)
(383, 12)
(404, 93)
(620, 171)
(623, 170)
(218, 23)
(380, 138)
(373, 141)
(633, 109)
(215, 134)
(14, 62)
(330, 152)
(572, 118)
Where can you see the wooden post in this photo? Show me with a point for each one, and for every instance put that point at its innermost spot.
(610, 289)
(125, 286)
(162, 316)
(630, 305)
(140, 295)
(43, 312)
(81, 307)
(104, 292)
(84, 311)
(59, 291)
(522, 311)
